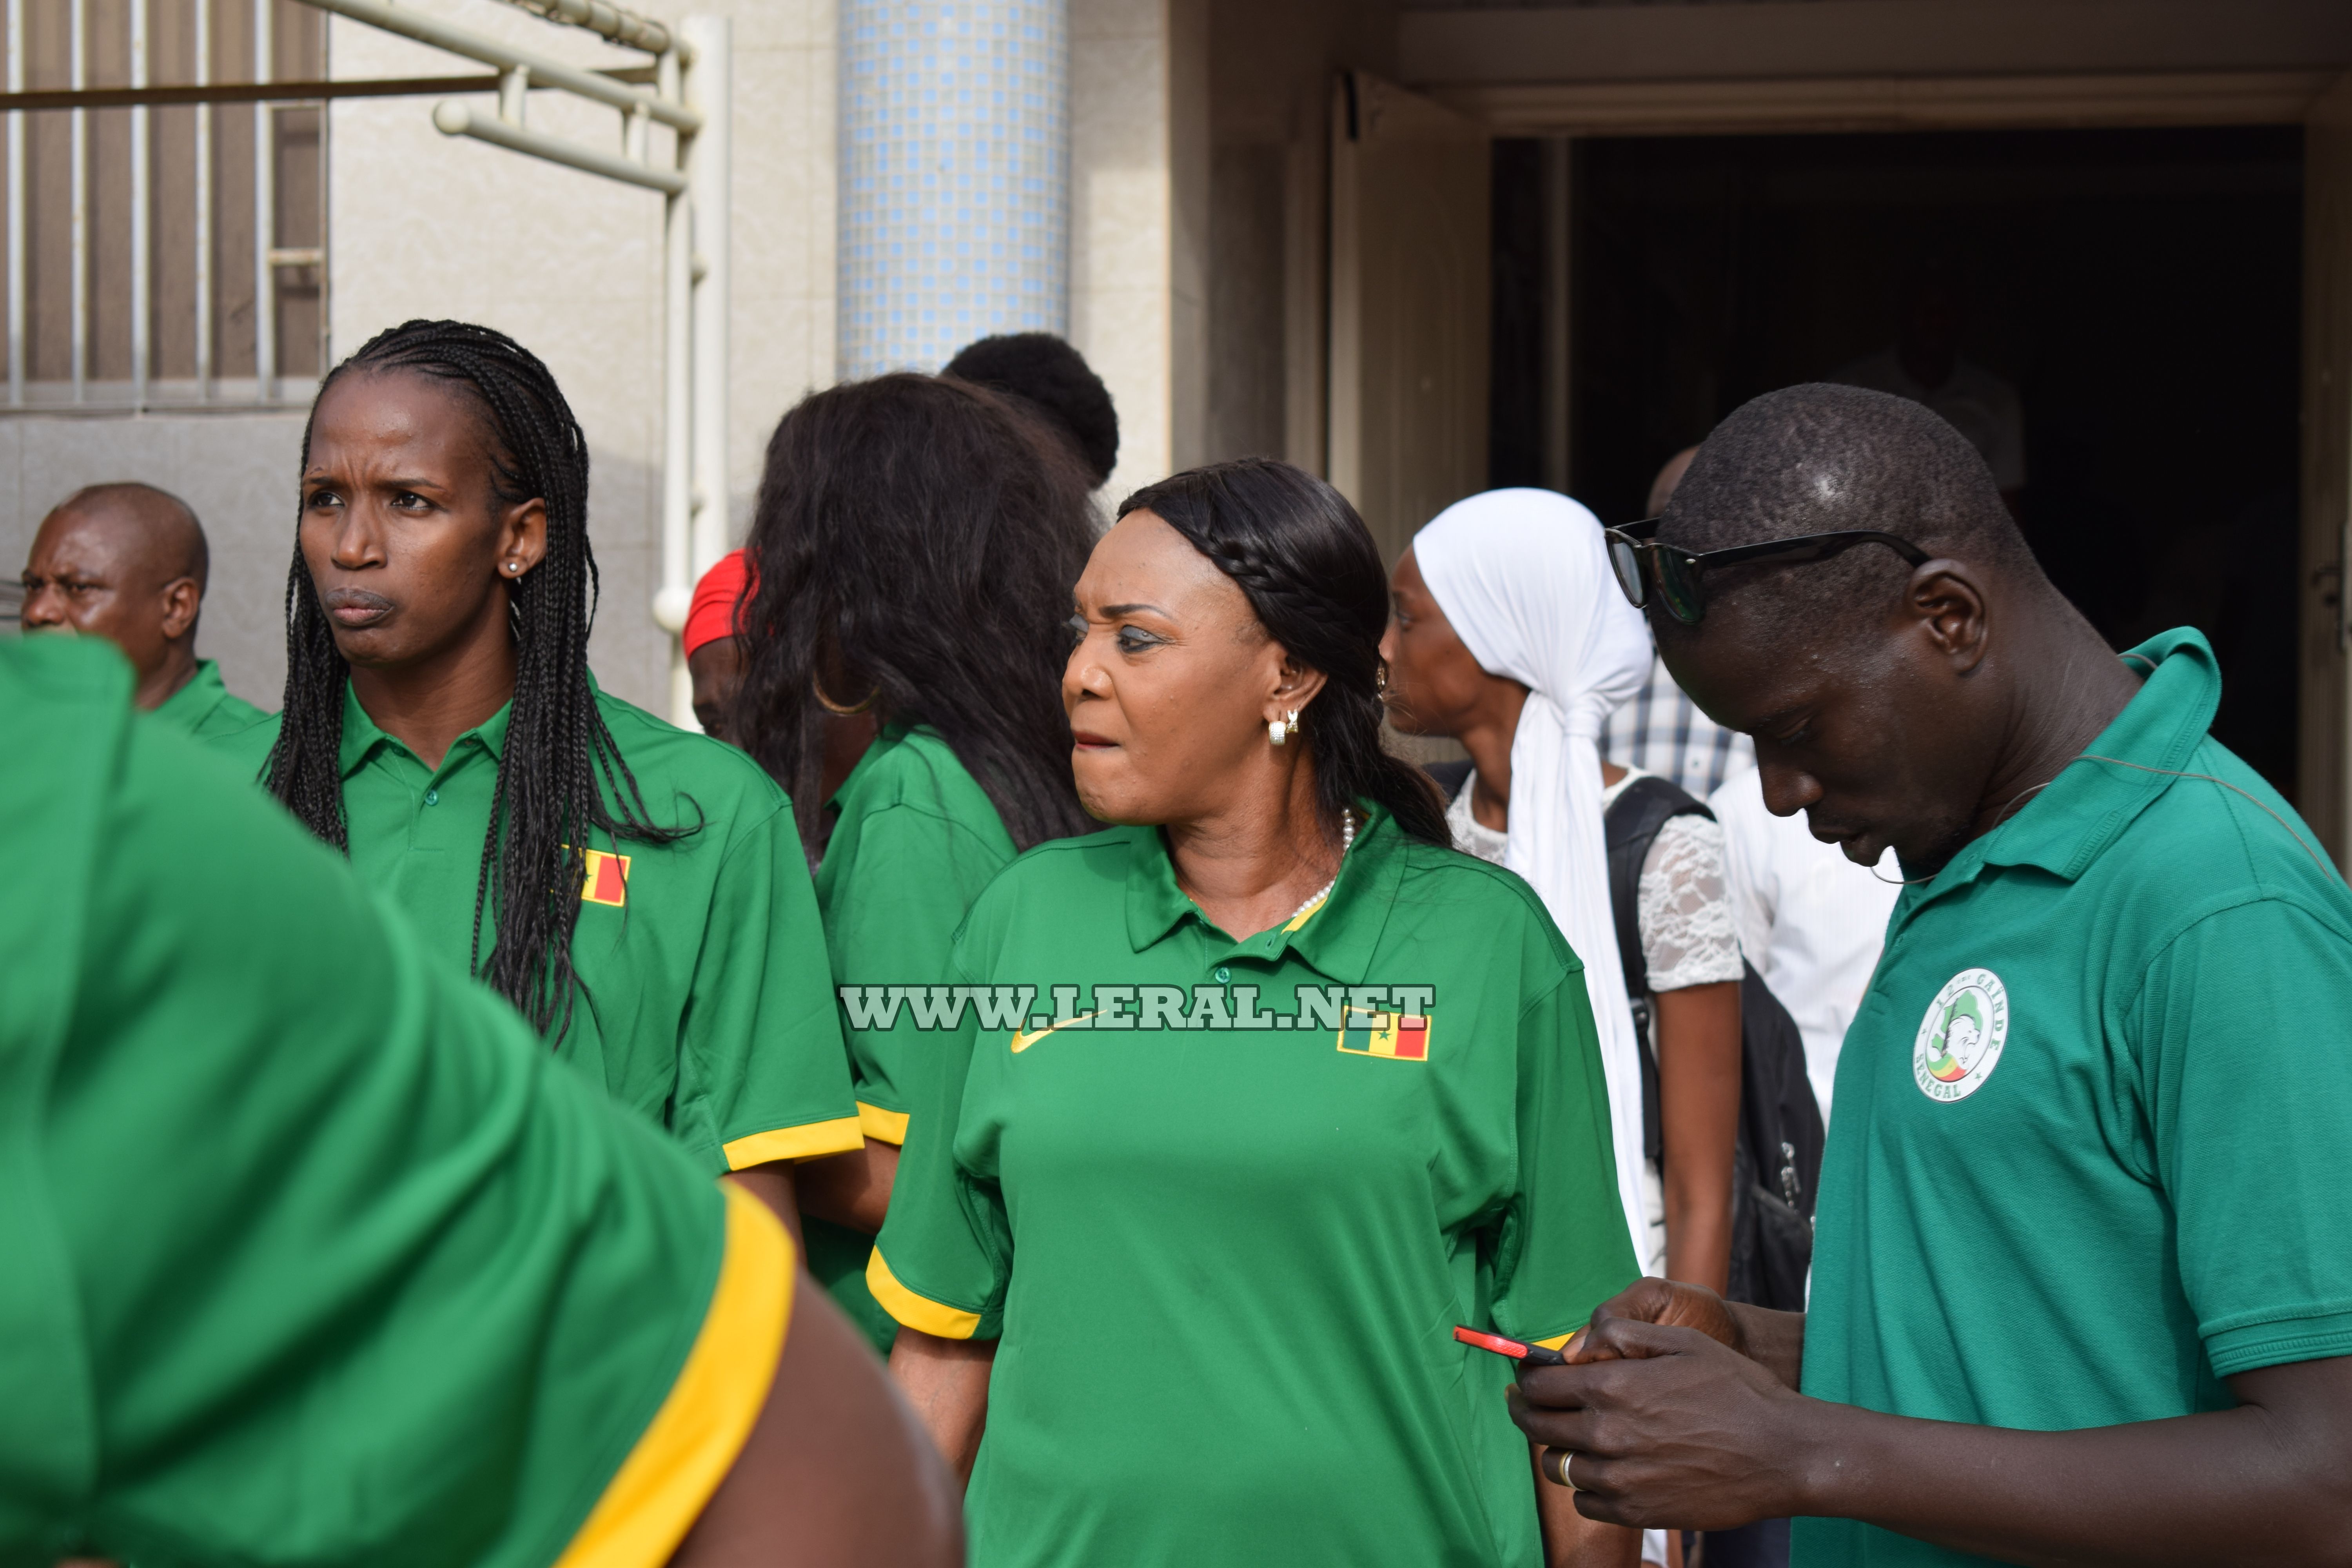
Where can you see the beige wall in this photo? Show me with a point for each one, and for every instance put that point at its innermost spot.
(1272, 70)
(570, 264)
(1139, 223)
(236, 469)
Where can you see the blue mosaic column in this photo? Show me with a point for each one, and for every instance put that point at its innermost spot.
(955, 178)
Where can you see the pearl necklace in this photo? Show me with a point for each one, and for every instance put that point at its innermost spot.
(1347, 842)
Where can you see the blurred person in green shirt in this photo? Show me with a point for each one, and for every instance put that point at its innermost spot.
(885, 505)
(637, 892)
(315, 1256)
(129, 563)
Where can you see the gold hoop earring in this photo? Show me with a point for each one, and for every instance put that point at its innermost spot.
(836, 709)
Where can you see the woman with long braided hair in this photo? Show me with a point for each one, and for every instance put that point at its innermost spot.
(638, 893)
(1289, 1088)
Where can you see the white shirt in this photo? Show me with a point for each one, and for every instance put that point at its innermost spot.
(1661, 731)
(1810, 920)
(1680, 903)
(1972, 400)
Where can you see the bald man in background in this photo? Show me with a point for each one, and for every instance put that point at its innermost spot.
(128, 562)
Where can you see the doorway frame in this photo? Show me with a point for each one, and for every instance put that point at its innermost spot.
(2318, 100)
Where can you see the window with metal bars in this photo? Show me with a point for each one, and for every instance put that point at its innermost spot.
(162, 255)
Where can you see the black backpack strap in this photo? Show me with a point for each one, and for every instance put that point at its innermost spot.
(1449, 777)
(1630, 826)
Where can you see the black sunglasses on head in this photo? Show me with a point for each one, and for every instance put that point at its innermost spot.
(1644, 567)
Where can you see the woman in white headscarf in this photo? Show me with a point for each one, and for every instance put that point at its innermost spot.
(1511, 635)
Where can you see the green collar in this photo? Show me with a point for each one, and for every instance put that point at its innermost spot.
(361, 738)
(870, 760)
(2069, 825)
(1337, 937)
(202, 690)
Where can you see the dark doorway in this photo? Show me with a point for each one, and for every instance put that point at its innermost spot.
(2138, 291)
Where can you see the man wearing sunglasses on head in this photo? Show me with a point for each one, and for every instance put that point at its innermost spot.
(2083, 1276)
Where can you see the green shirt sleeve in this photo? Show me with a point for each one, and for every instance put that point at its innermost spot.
(945, 1254)
(893, 923)
(1564, 1248)
(762, 1076)
(2238, 1031)
(318, 1254)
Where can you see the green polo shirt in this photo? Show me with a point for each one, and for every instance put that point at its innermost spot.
(205, 707)
(313, 1254)
(2088, 1161)
(914, 841)
(1225, 1224)
(704, 1001)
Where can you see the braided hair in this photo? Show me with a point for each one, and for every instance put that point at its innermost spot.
(1313, 576)
(558, 749)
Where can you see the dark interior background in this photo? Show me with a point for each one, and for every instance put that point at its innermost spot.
(2141, 290)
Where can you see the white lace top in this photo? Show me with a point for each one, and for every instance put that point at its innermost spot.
(1681, 905)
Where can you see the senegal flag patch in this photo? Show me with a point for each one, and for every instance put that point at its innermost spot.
(608, 880)
(1401, 1035)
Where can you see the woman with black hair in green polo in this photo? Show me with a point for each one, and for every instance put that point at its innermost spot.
(886, 503)
(1298, 1088)
(635, 890)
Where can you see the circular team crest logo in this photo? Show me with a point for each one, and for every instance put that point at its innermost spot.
(1961, 1036)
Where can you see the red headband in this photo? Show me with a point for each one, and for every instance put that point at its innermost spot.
(717, 598)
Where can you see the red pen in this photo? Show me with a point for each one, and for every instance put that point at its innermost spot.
(1518, 1350)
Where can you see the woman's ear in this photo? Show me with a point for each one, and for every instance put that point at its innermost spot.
(523, 538)
(1295, 686)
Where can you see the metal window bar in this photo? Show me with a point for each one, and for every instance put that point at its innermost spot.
(690, 82)
(265, 218)
(77, 296)
(203, 207)
(17, 205)
(79, 197)
(141, 273)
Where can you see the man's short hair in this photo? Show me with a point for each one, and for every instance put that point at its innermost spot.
(1049, 373)
(1819, 458)
(161, 512)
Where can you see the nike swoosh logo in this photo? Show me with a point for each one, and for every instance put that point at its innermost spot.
(1022, 1042)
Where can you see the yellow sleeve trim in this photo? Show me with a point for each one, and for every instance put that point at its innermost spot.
(691, 1443)
(918, 1312)
(1557, 1341)
(882, 1126)
(810, 1141)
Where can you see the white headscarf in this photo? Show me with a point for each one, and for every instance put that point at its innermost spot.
(1524, 577)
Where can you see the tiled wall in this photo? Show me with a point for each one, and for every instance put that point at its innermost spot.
(955, 176)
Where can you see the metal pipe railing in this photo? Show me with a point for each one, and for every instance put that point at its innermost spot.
(612, 23)
(455, 118)
(674, 597)
(708, 86)
(544, 72)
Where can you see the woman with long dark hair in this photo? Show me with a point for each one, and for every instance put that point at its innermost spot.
(1272, 1089)
(636, 892)
(914, 547)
